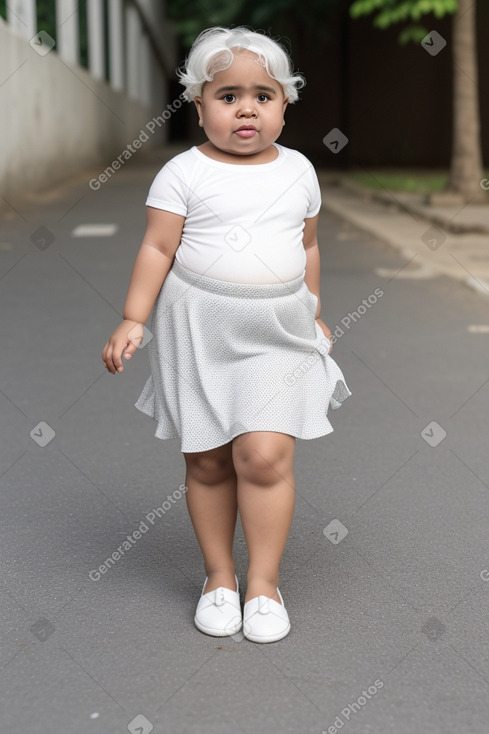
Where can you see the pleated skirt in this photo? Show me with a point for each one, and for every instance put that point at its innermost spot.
(229, 358)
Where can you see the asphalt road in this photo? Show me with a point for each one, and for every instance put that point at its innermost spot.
(385, 574)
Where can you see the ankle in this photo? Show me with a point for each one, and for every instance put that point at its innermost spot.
(217, 577)
(262, 586)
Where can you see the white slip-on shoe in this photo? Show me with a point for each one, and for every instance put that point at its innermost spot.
(265, 620)
(218, 612)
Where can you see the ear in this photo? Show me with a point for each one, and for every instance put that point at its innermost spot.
(198, 105)
(286, 102)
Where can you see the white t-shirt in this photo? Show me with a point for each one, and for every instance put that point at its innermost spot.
(243, 222)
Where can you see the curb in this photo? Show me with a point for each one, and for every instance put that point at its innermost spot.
(389, 198)
(474, 283)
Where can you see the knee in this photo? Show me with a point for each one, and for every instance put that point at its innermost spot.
(210, 469)
(263, 466)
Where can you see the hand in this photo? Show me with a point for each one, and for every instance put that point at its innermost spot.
(326, 331)
(127, 336)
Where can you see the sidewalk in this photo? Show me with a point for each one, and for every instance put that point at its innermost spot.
(424, 234)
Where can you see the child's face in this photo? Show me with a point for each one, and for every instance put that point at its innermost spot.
(243, 94)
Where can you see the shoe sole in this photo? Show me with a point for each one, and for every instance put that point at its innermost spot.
(216, 632)
(271, 638)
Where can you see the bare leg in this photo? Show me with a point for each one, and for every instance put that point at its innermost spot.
(212, 505)
(263, 461)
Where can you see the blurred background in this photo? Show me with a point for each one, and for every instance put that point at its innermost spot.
(411, 110)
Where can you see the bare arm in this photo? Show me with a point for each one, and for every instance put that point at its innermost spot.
(313, 269)
(313, 263)
(153, 261)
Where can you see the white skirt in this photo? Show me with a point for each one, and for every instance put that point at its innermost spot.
(229, 358)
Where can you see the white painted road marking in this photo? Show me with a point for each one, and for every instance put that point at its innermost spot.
(95, 230)
(424, 271)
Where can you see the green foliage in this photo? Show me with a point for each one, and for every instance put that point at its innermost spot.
(395, 11)
(415, 180)
(414, 33)
(190, 17)
(389, 12)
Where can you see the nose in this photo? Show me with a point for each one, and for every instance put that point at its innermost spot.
(247, 109)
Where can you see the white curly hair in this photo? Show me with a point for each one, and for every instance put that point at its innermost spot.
(211, 52)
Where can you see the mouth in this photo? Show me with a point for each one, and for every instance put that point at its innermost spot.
(246, 131)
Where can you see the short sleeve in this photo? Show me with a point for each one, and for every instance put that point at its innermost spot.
(169, 191)
(314, 194)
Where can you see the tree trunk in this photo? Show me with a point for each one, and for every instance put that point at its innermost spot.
(466, 171)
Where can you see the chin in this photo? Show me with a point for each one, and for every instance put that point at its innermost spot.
(242, 150)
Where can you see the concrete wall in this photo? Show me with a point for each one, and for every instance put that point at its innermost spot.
(56, 120)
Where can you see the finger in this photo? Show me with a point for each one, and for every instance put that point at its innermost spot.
(130, 350)
(135, 337)
(114, 363)
(108, 361)
(117, 358)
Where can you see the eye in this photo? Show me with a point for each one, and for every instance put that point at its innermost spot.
(263, 95)
(227, 96)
